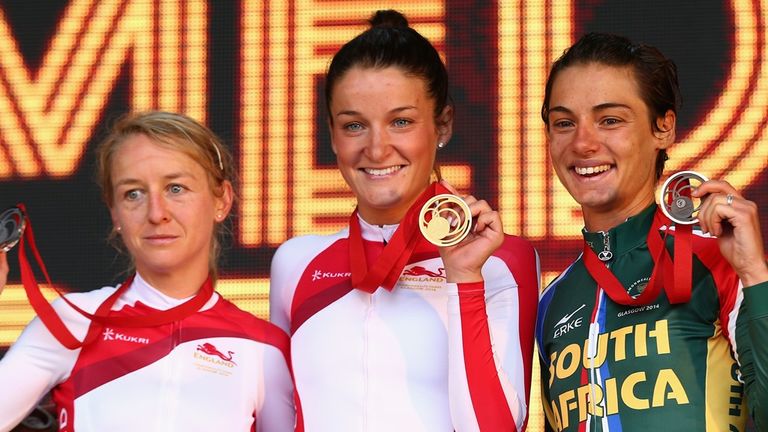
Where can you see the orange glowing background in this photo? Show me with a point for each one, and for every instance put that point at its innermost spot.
(253, 71)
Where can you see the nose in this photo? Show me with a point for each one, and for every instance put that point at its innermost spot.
(379, 144)
(586, 140)
(157, 209)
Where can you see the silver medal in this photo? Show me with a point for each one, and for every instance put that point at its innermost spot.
(676, 201)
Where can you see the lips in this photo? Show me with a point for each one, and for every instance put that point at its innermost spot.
(160, 238)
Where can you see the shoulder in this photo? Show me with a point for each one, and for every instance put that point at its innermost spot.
(88, 301)
(515, 249)
(304, 248)
(520, 258)
(253, 327)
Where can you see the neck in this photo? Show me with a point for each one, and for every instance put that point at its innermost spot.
(387, 215)
(175, 284)
(603, 220)
(379, 217)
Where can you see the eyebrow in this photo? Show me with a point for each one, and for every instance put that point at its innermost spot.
(600, 107)
(392, 111)
(171, 176)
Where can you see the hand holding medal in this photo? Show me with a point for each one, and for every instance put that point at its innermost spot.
(466, 230)
(734, 220)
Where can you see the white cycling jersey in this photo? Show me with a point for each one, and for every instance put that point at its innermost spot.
(220, 369)
(425, 356)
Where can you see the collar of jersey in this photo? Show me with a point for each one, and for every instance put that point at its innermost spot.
(377, 233)
(141, 291)
(626, 236)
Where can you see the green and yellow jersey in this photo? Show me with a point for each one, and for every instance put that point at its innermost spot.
(696, 366)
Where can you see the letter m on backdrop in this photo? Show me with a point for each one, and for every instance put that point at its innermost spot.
(48, 115)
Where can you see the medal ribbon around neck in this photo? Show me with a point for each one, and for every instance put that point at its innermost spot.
(56, 326)
(677, 283)
(386, 269)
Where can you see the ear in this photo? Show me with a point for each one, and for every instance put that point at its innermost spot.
(666, 130)
(224, 202)
(444, 123)
(113, 216)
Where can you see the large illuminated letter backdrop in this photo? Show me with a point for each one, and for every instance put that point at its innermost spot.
(253, 71)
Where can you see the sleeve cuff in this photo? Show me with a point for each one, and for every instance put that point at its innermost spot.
(756, 300)
(471, 287)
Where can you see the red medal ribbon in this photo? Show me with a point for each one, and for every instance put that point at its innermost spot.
(388, 266)
(677, 283)
(56, 326)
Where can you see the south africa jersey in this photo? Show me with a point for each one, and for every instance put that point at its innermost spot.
(659, 366)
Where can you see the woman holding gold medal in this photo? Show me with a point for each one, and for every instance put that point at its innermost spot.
(162, 351)
(388, 331)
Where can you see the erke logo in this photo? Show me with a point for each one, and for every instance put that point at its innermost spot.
(565, 324)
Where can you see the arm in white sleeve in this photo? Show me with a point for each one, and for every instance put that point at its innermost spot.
(491, 328)
(285, 271)
(277, 412)
(35, 364)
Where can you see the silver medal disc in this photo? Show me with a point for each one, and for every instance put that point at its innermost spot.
(676, 201)
(12, 225)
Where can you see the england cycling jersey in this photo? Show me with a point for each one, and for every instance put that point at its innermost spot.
(425, 356)
(219, 369)
(660, 366)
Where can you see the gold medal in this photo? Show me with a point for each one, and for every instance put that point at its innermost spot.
(445, 220)
(676, 201)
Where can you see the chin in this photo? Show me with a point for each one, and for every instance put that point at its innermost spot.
(594, 200)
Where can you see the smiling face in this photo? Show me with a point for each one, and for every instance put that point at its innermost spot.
(602, 143)
(385, 135)
(165, 208)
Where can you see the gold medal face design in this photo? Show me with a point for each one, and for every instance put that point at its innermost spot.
(12, 225)
(445, 220)
(676, 201)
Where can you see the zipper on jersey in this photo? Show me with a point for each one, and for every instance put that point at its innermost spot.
(170, 385)
(366, 361)
(605, 254)
(593, 379)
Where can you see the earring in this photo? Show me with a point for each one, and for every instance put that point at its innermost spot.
(118, 229)
(219, 217)
(441, 144)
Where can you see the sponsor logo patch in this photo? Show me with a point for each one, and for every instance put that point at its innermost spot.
(111, 335)
(319, 274)
(211, 359)
(567, 324)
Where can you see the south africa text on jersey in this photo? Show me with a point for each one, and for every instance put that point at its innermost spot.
(600, 395)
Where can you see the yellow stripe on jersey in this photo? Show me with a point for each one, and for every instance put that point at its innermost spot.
(723, 393)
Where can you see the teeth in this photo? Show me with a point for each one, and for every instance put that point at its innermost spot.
(592, 170)
(382, 171)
